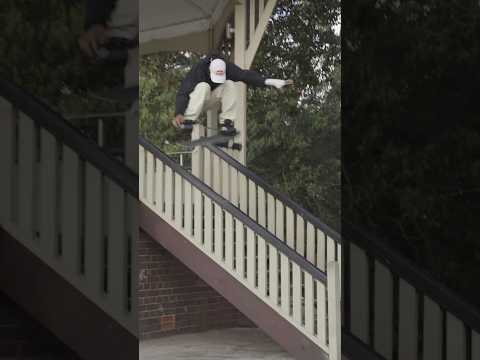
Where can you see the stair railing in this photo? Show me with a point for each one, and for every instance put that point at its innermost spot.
(304, 295)
(69, 203)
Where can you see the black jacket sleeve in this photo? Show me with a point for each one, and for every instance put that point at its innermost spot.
(249, 77)
(183, 93)
(98, 12)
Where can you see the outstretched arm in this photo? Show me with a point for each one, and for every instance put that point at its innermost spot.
(253, 78)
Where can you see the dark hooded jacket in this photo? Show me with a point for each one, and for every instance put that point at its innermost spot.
(98, 12)
(200, 72)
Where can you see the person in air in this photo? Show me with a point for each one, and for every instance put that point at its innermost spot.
(212, 81)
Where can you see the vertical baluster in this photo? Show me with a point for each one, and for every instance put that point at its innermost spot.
(132, 234)
(271, 213)
(169, 193)
(251, 258)
(149, 178)
(208, 208)
(7, 138)
(359, 284)
(383, 324)
(48, 181)
(234, 186)
(262, 267)
(475, 345)
(334, 318)
(432, 329)
(243, 192)
(252, 200)
(225, 180)
(188, 208)
(178, 202)
(273, 275)
(285, 284)
(309, 304)
(93, 230)
(300, 235)
(279, 221)
(229, 241)
(311, 243)
(217, 174)
(407, 321)
(321, 313)
(261, 204)
(70, 226)
(240, 250)
(290, 227)
(456, 338)
(198, 216)
(117, 250)
(26, 159)
(331, 247)
(159, 186)
(297, 294)
(141, 172)
(207, 167)
(321, 250)
(218, 232)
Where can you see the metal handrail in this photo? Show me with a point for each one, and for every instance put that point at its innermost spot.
(50, 120)
(277, 194)
(245, 219)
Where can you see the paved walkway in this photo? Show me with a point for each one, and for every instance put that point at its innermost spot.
(226, 344)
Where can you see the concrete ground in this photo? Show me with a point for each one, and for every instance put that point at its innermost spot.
(225, 344)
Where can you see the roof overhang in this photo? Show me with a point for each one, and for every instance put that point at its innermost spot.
(170, 25)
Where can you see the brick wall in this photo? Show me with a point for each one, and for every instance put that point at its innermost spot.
(172, 299)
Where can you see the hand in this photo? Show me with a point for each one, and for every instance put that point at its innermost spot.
(279, 84)
(90, 40)
(179, 120)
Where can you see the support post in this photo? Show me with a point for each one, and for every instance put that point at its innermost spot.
(197, 153)
(334, 315)
(239, 58)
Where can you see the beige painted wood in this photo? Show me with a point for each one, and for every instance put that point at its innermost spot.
(331, 247)
(252, 200)
(456, 338)
(273, 275)
(359, 298)
(6, 159)
(252, 25)
(310, 250)
(197, 216)
(149, 178)
(262, 267)
(117, 247)
(243, 192)
(321, 313)
(290, 227)
(217, 174)
(234, 186)
(188, 201)
(209, 212)
(309, 304)
(262, 207)
(240, 250)
(300, 235)
(321, 250)
(26, 158)
(48, 193)
(218, 238)
(197, 153)
(133, 234)
(159, 186)
(432, 329)
(285, 284)
(70, 225)
(297, 294)
(271, 213)
(408, 321)
(229, 228)
(207, 167)
(93, 230)
(251, 258)
(141, 172)
(263, 19)
(178, 201)
(279, 220)
(334, 318)
(225, 180)
(383, 311)
(169, 181)
(475, 345)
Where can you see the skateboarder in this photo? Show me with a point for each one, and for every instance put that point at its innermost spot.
(211, 81)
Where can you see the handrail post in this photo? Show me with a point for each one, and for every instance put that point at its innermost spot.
(197, 153)
(334, 316)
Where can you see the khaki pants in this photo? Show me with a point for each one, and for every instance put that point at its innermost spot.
(202, 98)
